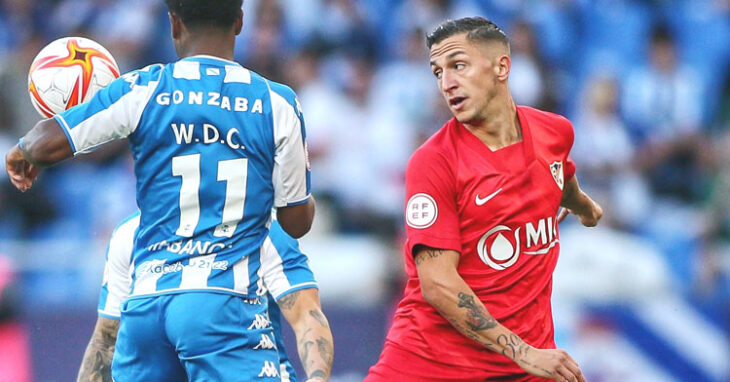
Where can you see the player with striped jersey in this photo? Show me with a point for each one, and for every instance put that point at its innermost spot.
(216, 146)
(286, 277)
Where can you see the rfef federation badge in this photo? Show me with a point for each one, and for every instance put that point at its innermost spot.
(556, 168)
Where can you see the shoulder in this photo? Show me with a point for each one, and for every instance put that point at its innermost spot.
(544, 122)
(143, 76)
(279, 90)
(546, 117)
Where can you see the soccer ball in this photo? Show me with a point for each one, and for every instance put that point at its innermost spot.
(67, 72)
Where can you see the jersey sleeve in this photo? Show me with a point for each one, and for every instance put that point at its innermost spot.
(117, 284)
(285, 268)
(569, 169)
(431, 210)
(291, 176)
(112, 113)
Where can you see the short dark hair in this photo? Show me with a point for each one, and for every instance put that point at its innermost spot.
(476, 28)
(661, 34)
(206, 13)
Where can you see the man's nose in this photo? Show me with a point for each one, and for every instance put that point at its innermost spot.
(448, 81)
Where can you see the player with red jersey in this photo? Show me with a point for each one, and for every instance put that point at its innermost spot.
(482, 198)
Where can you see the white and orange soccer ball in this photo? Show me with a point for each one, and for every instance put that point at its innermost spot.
(67, 72)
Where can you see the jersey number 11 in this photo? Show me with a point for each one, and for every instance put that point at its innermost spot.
(233, 171)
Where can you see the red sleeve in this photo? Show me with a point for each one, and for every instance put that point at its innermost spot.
(569, 170)
(431, 212)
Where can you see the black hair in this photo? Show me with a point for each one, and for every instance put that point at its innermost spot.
(661, 34)
(206, 13)
(476, 28)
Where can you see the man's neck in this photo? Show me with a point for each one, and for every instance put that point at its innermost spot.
(501, 127)
(210, 45)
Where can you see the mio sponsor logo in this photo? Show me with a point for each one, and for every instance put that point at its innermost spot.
(501, 246)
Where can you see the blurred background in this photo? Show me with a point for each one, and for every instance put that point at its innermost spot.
(645, 297)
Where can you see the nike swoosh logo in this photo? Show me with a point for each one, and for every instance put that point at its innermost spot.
(481, 201)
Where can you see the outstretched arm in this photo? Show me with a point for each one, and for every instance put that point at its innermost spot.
(44, 145)
(303, 311)
(576, 201)
(445, 290)
(97, 363)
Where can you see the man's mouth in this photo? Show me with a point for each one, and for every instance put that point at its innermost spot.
(456, 102)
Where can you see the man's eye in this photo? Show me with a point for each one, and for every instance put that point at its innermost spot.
(459, 66)
(437, 74)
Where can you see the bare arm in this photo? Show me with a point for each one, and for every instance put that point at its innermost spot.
(97, 363)
(445, 290)
(576, 201)
(303, 311)
(44, 145)
(297, 220)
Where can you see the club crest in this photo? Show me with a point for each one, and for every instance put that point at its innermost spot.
(556, 168)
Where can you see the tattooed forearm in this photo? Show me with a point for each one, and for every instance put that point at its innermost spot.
(319, 316)
(314, 367)
(96, 365)
(513, 346)
(477, 317)
(288, 301)
(326, 351)
(318, 374)
(304, 348)
(469, 333)
(428, 254)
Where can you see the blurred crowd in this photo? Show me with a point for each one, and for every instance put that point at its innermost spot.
(645, 83)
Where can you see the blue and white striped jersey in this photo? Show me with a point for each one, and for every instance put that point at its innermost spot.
(216, 146)
(284, 269)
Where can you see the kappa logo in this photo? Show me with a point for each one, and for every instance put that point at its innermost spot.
(556, 168)
(269, 370)
(265, 343)
(260, 322)
(481, 201)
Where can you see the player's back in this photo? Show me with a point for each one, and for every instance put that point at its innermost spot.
(213, 145)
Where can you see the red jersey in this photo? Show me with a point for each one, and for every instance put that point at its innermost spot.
(498, 210)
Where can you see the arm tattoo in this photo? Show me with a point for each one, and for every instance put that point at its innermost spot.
(96, 365)
(428, 254)
(312, 366)
(318, 373)
(516, 349)
(287, 302)
(477, 317)
(304, 352)
(319, 316)
(325, 349)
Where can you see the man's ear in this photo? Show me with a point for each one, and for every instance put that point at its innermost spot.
(238, 25)
(504, 64)
(176, 26)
